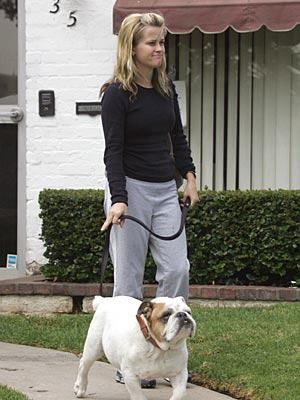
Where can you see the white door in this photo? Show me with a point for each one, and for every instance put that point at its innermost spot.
(10, 116)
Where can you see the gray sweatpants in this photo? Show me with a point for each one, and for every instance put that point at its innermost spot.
(156, 204)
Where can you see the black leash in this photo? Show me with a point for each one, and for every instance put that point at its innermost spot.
(184, 211)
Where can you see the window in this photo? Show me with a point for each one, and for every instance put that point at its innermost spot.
(243, 100)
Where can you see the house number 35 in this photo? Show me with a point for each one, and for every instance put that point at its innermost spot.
(56, 9)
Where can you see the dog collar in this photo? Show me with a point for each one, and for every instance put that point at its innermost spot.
(146, 332)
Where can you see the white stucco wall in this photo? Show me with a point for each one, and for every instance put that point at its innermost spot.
(64, 151)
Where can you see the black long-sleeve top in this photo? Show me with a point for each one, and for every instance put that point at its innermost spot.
(137, 133)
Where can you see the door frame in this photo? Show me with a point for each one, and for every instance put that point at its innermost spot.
(21, 178)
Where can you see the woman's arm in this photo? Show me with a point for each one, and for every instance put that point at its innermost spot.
(182, 155)
(113, 116)
(190, 189)
(113, 121)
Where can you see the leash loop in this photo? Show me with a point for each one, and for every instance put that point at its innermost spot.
(185, 207)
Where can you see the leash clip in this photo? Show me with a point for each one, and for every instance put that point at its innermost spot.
(186, 203)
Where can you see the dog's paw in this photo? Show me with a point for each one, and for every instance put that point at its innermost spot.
(79, 392)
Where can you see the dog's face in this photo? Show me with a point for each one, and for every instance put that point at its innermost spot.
(169, 319)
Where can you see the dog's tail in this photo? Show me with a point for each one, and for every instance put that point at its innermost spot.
(96, 302)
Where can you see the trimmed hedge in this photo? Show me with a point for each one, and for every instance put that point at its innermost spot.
(234, 237)
(246, 237)
(71, 221)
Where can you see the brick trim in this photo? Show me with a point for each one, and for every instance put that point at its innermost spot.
(39, 286)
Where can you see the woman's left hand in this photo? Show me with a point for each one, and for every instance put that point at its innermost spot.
(190, 189)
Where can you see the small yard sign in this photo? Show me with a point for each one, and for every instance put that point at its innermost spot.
(11, 261)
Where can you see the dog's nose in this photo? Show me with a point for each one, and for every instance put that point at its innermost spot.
(184, 318)
(181, 315)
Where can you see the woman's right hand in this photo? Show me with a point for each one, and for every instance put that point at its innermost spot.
(114, 215)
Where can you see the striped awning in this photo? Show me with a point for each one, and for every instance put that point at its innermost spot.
(214, 16)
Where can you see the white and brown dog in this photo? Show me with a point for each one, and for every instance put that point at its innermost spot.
(145, 340)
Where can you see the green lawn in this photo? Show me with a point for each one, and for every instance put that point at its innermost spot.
(248, 353)
(10, 394)
(61, 332)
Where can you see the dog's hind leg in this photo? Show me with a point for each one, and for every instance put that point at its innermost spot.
(92, 352)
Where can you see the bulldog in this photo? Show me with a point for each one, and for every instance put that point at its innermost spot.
(145, 340)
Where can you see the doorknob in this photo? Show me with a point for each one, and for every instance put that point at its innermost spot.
(15, 114)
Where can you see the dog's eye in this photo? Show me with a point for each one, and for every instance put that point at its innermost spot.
(188, 312)
(165, 317)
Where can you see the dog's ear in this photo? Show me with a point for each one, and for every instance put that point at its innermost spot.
(182, 299)
(145, 309)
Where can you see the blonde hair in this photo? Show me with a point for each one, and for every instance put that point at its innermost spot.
(125, 70)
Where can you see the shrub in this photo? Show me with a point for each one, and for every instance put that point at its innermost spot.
(71, 221)
(234, 237)
(245, 237)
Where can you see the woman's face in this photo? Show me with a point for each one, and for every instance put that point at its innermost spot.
(150, 50)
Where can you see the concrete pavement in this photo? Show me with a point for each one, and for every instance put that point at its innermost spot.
(44, 374)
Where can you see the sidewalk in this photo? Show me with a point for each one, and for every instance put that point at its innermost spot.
(44, 374)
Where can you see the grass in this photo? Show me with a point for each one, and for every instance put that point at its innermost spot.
(248, 353)
(60, 332)
(10, 394)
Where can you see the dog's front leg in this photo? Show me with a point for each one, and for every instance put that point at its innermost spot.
(82, 381)
(91, 352)
(178, 383)
(90, 355)
(133, 385)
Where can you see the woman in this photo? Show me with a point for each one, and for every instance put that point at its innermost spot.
(140, 114)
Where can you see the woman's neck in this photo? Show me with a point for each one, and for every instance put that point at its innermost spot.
(143, 82)
(145, 79)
